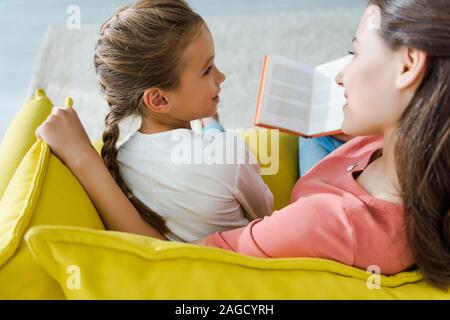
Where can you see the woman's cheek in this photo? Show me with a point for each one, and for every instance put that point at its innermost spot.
(361, 81)
(358, 90)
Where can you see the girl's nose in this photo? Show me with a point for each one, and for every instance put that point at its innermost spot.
(221, 77)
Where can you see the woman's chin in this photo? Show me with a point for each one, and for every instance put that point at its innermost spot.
(359, 131)
(351, 130)
(344, 131)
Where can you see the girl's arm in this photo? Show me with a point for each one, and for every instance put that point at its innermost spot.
(66, 137)
(116, 211)
(250, 190)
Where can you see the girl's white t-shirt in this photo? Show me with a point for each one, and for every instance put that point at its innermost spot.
(200, 183)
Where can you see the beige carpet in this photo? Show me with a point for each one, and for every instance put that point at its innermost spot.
(65, 65)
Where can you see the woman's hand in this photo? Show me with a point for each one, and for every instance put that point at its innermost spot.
(65, 135)
(343, 137)
(200, 242)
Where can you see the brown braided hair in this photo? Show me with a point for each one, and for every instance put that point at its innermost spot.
(422, 137)
(138, 48)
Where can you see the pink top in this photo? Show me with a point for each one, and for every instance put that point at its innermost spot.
(330, 216)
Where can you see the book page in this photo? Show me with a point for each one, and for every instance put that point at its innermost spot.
(286, 99)
(327, 98)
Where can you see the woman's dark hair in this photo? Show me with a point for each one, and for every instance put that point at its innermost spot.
(138, 48)
(422, 151)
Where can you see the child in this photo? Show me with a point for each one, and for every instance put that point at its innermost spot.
(155, 59)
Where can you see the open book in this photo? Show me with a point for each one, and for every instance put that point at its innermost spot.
(300, 99)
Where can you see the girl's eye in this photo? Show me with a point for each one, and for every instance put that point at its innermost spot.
(207, 71)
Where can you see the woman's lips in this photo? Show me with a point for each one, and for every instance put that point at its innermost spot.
(216, 99)
(346, 102)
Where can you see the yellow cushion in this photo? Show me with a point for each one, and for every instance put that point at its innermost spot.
(277, 154)
(20, 135)
(92, 264)
(42, 191)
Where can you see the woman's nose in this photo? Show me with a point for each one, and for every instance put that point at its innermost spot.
(339, 79)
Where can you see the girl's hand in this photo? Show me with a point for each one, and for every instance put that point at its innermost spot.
(68, 140)
(65, 135)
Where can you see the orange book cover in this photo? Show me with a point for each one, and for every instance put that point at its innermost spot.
(314, 84)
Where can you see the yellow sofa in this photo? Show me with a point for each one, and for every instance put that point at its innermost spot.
(53, 244)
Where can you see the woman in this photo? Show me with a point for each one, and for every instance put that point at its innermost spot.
(381, 199)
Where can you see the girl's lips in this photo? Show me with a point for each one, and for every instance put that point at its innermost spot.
(217, 99)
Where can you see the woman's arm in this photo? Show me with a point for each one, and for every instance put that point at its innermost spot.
(66, 137)
(200, 242)
(315, 226)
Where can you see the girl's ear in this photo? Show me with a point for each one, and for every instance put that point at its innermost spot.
(413, 68)
(156, 100)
